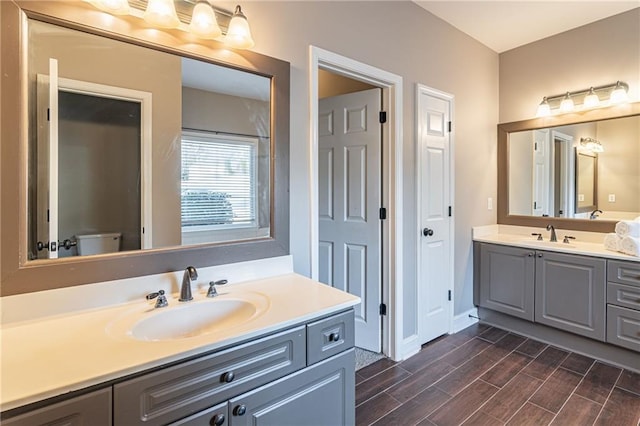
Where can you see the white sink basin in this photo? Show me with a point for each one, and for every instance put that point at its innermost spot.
(189, 319)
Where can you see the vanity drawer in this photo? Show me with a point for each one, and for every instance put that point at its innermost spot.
(623, 295)
(624, 272)
(216, 415)
(185, 389)
(623, 327)
(330, 336)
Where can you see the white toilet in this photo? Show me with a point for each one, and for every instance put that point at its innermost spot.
(98, 243)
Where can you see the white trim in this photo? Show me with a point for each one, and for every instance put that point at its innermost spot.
(567, 174)
(450, 99)
(54, 83)
(392, 279)
(145, 99)
(464, 320)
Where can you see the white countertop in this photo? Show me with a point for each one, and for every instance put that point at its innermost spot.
(586, 243)
(51, 356)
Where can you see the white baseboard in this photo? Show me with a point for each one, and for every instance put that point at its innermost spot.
(464, 320)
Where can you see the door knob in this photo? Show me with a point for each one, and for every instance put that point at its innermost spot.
(427, 232)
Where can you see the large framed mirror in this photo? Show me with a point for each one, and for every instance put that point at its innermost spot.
(577, 171)
(134, 151)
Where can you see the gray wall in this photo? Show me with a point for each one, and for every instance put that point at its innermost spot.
(599, 53)
(404, 39)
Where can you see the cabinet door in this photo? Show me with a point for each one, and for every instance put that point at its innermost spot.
(570, 293)
(92, 409)
(507, 280)
(323, 394)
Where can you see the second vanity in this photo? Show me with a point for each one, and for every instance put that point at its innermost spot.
(288, 358)
(555, 290)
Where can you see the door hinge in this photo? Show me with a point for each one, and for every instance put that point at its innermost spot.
(535, 146)
(449, 296)
(383, 213)
(47, 215)
(48, 116)
(449, 127)
(449, 211)
(383, 309)
(535, 205)
(143, 229)
(383, 117)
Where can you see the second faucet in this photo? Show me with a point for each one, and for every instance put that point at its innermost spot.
(553, 238)
(185, 290)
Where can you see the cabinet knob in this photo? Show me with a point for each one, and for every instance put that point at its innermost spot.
(228, 377)
(539, 254)
(334, 337)
(240, 410)
(217, 420)
(530, 254)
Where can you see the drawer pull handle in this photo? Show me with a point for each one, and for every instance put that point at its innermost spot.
(228, 377)
(217, 420)
(240, 410)
(334, 337)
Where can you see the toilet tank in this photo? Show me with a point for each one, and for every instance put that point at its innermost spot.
(98, 243)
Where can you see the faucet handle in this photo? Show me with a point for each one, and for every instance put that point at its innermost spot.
(162, 299)
(212, 287)
(538, 234)
(567, 238)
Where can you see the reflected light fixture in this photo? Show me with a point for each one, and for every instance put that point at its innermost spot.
(239, 33)
(593, 97)
(161, 13)
(203, 21)
(591, 144)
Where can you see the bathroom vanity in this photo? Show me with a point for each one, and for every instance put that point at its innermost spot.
(283, 364)
(579, 289)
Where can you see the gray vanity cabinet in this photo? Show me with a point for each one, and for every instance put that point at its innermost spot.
(507, 280)
(90, 409)
(623, 304)
(570, 293)
(320, 395)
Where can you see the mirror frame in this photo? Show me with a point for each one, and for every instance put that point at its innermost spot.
(18, 275)
(617, 111)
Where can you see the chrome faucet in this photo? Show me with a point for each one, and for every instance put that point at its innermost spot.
(185, 291)
(553, 238)
(594, 214)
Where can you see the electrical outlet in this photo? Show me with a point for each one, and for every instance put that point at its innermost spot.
(580, 197)
(612, 198)
(489, 203)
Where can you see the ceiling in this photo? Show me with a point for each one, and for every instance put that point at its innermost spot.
(507, 24)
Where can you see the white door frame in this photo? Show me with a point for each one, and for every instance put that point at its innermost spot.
(145, 99)
(422, 89)
(392, 150)
(568, 173)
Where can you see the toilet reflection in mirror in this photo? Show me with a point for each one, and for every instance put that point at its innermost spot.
(159, 150)
(551, 174)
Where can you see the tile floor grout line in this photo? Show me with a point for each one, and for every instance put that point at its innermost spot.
(608, 396)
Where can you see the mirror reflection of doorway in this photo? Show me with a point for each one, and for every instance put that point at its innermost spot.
(99, 181)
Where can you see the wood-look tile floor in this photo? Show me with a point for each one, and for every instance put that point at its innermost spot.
(487, 376)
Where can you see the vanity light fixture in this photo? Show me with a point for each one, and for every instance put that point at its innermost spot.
(239, 34)
(591, 144)
(161, 13)
(204, 23)
(593, 97)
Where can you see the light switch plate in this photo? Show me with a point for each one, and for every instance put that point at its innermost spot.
(612, 198)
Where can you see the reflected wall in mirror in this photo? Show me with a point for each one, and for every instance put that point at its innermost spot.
(549, 173)
(552, 173)
(172, 152)
(152, 150)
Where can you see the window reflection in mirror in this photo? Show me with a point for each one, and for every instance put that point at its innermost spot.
(144, 149)
(542, 171)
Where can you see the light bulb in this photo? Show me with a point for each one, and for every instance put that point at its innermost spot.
(115, 7)
(544, 109)
(619, 94)
(161, 13)
(239, 33)
(591, 100)
(203, 21)
(567, 103)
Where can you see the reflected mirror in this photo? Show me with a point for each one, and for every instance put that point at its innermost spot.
(570, 171)
(132, 148)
